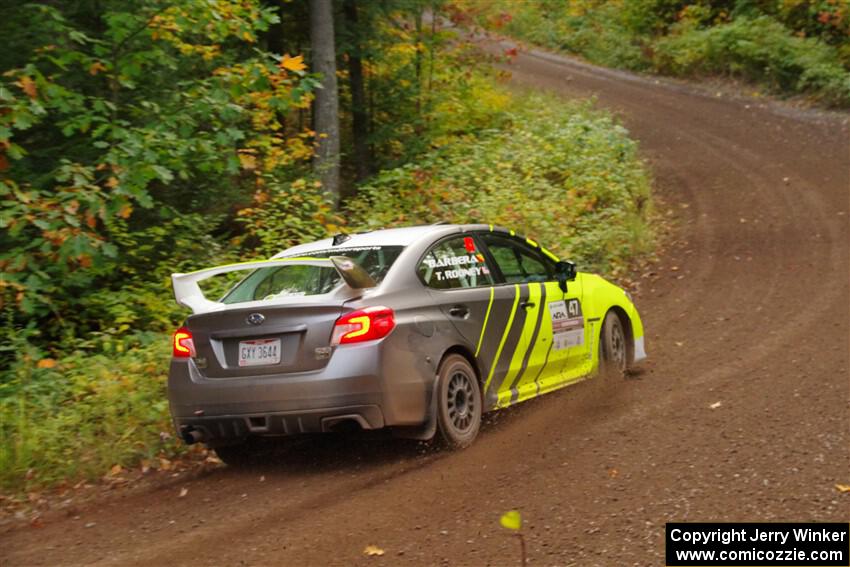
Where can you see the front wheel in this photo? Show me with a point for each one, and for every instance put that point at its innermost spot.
(459, 402)
(614, 355)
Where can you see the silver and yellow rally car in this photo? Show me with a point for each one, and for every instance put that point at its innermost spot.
(418, 329)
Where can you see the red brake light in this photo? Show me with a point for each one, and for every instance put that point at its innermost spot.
(363, 325)
(183, 346)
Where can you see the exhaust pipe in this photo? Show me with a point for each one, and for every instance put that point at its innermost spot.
(191, 435)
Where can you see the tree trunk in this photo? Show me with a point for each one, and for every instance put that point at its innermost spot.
(326, 108)
(360, 118)
(417, 18)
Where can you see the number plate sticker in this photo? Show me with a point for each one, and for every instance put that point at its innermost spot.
(259, 352)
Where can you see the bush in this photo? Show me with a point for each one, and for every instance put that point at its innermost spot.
(563, 173)
(760, 50)
(76, 417)
(792, 47)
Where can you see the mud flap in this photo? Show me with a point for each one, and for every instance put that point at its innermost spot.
(426, 431)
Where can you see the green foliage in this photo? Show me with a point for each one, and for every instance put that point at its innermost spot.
(791, 47)
(564, 174)
(761, 50)
(286, 214)
(100, 405)
(114, 124)
(600, 34)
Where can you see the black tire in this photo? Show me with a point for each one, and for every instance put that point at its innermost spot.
(613, 349)
(459, 402)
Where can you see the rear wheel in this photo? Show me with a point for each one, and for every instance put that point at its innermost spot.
(614, 355)
(459, 404)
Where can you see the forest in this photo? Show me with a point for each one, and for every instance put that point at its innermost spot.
(779, 47)
(143, 138)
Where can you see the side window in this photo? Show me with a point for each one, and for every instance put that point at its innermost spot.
(517, 262)
(454, 263)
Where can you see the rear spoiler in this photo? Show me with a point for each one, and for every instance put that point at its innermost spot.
(188, 293)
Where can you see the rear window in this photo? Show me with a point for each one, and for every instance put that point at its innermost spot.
(294, 279)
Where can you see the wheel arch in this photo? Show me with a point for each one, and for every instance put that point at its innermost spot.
(464, 351)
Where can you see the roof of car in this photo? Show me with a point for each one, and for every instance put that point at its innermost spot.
(384, 237)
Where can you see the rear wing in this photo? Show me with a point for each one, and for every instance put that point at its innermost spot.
(188, 293)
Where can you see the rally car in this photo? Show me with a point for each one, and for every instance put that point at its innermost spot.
(418, 329)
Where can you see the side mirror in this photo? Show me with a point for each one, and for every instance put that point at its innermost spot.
(564, 272)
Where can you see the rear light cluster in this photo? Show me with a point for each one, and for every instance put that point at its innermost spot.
(182, 344)
(356, 327)
(363, 325)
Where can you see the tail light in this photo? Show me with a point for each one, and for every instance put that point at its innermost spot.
(183, 346)
(363, 325)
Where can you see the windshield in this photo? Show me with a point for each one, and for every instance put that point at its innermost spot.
(289, 280)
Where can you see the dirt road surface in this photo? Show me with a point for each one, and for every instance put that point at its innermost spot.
(748, 309)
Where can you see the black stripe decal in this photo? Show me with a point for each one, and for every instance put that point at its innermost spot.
(513, 342)
(527, 357)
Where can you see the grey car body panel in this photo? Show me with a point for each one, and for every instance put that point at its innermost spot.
(387, 382)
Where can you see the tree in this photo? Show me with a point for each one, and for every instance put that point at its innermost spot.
(359, 116)
(326, 109)
(125, 131)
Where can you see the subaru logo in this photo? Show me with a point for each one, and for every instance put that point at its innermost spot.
(256, 318)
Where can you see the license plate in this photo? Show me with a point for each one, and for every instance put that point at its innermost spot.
(259, 352)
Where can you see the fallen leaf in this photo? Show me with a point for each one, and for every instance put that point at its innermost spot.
(372, 550)
(716, 405)
(511, 520)
(116, 470)
(842, 487)
(679, 343)
(183, 492)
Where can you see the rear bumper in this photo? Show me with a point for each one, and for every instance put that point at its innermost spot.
(358, 385)
(224, 428)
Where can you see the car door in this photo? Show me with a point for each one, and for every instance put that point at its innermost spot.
(552, 334)
(522, 267)
(460, 281)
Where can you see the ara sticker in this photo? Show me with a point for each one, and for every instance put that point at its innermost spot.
(567, 324)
